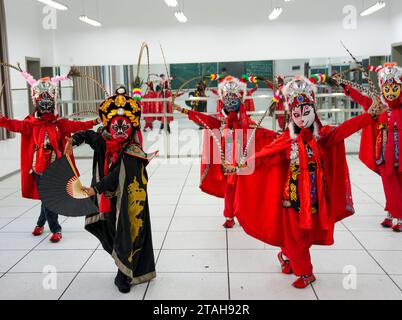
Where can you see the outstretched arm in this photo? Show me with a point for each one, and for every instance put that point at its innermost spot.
(200, 118)
(251, 91)
(358, 97)
(214, 91)
(19, 126)
(69, 126)
(88, 137)
(348, 128)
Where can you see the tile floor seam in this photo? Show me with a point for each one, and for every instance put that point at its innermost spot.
(357, 186)
(372, 257)
(10, 194)
(14, 219)
(315, 293)
(228, 265)
(170, 223)
(29, 251)
(76, 275)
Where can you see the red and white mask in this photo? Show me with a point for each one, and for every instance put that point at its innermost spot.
(121, 129)
(303, 116)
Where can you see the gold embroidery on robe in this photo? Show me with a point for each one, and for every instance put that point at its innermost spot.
(136, 203)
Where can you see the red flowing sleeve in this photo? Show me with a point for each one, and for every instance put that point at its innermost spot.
(68, 126)
(199, 117)
(251, 91)
(349, 127)
(20, 126)
(359, 98)
(215, 92)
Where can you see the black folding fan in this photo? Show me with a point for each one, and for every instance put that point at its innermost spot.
(61, 191)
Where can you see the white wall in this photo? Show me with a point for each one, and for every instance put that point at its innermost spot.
(396, 22)
(24, 40)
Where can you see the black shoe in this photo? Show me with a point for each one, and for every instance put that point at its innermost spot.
(122, 282)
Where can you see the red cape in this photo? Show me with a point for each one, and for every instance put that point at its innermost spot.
(259, 196)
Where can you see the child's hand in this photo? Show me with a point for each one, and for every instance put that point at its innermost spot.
(89, 191)
(68, 149)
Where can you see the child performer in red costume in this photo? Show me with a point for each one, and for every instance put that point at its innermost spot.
(164, 91)
(381, 142)
(227, 132)
(301, 185)
(249, 103)
(43, 138)
(149, 106)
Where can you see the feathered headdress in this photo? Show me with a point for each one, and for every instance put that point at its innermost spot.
(302, 91)
(44, 88)
(389, 73)
(232, 87)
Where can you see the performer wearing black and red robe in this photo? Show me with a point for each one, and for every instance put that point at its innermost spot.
(119, 185)
(301, 186)
(43, 139)
(226, 135)
(381, 142)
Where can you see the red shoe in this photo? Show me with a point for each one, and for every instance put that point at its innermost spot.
(387, 223)
(285, 264)
(38, 231)
(397, 227)
(304, 281)
(229, 224)
(56, 237)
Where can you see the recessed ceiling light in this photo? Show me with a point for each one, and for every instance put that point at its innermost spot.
(90, 21)
(171, 3)
(375, 7)
(54, 4)
(275, 13)
(180, 16)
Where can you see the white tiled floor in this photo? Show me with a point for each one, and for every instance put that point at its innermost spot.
(198, 259)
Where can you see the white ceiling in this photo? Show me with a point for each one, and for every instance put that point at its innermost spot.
(155, 13)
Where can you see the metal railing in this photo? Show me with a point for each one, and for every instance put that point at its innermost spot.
(334, 108)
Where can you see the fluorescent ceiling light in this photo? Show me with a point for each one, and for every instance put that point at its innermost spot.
(378, 6)
(90, 21)
(180, 16)
(54, 4)
(171, 3)
(275, 13)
